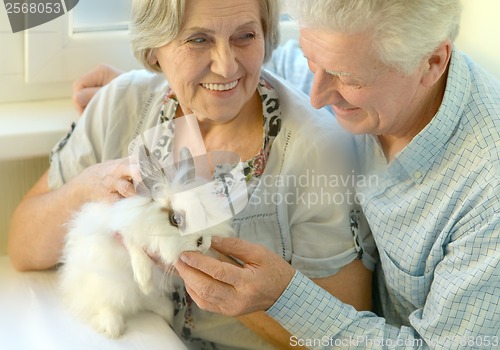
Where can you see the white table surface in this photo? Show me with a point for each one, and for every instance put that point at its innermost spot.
(32, 317)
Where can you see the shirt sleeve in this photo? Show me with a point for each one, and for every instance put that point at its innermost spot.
(327, 226)
(76, 151)
(461, 312)
(96, 135)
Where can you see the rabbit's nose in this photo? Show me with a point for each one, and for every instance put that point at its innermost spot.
(199, 241)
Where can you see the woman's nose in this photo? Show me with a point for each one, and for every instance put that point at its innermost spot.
(224, 61)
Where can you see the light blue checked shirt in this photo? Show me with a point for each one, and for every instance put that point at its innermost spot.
(434, 214)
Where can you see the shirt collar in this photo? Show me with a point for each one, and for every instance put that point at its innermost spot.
(417, 158)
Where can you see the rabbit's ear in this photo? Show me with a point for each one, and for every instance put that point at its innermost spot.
(185, 171)
(150, 168)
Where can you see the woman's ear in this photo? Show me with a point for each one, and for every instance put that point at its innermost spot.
(437, 63)
(152, 57)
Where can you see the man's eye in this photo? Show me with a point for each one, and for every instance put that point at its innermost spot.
(352, 85)
(348, 82)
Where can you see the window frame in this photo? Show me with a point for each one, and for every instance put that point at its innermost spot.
(51, 57)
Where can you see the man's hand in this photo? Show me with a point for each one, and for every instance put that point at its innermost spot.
(88, 85)
(231, 290)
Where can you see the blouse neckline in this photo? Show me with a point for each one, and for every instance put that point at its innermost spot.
(254, 167)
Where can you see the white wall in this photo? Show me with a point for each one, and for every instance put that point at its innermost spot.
(16, 178)
(480, 33)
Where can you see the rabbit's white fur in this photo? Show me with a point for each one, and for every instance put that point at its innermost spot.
(102, 281)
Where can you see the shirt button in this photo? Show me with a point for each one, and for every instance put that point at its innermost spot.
(417, 175)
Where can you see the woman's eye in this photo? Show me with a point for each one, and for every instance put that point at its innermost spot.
(197, 40)
(245, 38)
(248, 36)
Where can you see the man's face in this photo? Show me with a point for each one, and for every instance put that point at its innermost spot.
(366, 95)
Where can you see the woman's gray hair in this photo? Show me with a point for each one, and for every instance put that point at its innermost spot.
(404, 32)
(156, 23)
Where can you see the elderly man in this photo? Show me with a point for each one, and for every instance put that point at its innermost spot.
(427, 120)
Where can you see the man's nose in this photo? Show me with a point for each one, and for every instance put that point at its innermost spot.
(324, 89)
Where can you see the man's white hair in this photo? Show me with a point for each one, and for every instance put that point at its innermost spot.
(404, 32)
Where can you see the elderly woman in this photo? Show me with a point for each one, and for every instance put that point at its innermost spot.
(211, 55)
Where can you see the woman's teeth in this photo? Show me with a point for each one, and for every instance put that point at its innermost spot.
(220, 87)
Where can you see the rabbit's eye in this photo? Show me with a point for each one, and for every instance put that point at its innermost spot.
(176, 220)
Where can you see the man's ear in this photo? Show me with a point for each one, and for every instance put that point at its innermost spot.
(437, 63)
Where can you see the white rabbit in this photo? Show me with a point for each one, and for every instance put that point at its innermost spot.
(102, 281)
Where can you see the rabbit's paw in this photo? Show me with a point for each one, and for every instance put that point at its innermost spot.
(145, 281)
(109, 322)
(142, 266)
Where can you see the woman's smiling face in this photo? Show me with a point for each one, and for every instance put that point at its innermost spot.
(214, 64)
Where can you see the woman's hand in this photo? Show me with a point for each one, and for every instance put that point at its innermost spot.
(107, 181)
(88, 85)
(231, 290)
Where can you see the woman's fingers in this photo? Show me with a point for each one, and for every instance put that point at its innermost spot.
(124, 187)
(106, 181)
